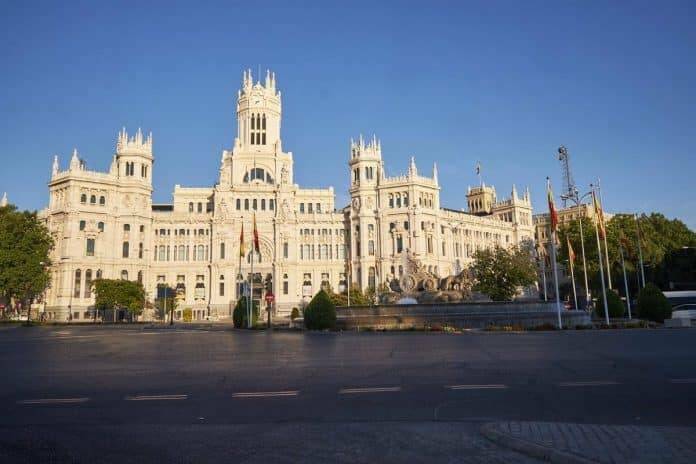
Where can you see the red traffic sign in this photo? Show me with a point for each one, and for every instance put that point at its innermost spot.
(270, 297)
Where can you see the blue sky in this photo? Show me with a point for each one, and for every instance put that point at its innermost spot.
(453, 82)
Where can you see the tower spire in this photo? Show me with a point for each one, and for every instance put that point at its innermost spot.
(56, 166)
(435, 176)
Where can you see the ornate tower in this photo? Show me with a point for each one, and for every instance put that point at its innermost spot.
(366, 172)
(258, 115)
(133, 158)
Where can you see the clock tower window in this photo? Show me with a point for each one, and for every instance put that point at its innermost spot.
(258, 129)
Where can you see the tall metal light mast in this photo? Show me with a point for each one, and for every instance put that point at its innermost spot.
(569, 190)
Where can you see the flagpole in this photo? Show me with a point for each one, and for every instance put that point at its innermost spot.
(604, 226)
(601, 266)
(584, 263)
(628, 297)
(640, 251)
(555, 278)
(572, 279)
(543, 273)
(554, 226)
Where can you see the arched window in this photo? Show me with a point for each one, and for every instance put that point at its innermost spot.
(239, 204)
(162, 253)
(254, 204)
(126, 227)
(222, 250)
(140, 277)
(391, 200)
(200, 207)
(201, 251)
(93, 199)
(83, 198)
(100, 226)
(271, 204)
(263, 204)
(371, 278)
(191, 207)
(140, 250)
(124, 275)
(182, 253)
(78, 282)
(246, 204)
(125, 249)
(99, 274)
(102, 201)
(82, 225)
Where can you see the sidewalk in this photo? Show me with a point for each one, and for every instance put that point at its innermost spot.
(590, 443)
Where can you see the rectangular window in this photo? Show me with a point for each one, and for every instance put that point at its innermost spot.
(125, 250)
(286, 250)
(285, 287)
(222, 288)
(222, 251)
(90, 247)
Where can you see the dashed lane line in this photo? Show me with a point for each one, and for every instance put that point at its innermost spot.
(155, 397)
(589, 383)
(265, 394)
(682, 380)
(54, 401)
(351, 391)
(477, 387)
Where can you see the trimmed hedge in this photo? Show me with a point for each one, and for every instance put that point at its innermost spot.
(616, 306)
(294, 314)
(653, 305)
(320, 313)
(239, 315)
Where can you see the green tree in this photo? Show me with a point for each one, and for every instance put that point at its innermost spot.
(616, 306)
(166, 305)
(499, 271)
(320, 313)
(25, 244)
(116, 294)
(653, 305)
(240, 313)
(357, 297)
(659, 237)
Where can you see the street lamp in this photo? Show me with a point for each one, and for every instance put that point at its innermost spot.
(578, 199)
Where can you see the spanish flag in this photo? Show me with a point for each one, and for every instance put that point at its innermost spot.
(256, 236)
(571, 252)
(241, 242)
(552, 207)
(600, 215)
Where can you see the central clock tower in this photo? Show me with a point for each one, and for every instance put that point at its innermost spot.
(258, 115)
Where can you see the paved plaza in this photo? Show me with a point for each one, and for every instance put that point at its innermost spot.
(206, 394)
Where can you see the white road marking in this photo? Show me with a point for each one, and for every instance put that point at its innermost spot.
(265, 394)
(682, 380)
(155, 397)
(349, 391)
(589, 383)
(54, 401)
(476, 387)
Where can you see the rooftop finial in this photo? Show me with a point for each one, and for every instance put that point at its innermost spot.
(74, 161)
(56, 167)
(412, 170)
(435, 177)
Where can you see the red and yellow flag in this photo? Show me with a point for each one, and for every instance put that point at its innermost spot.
(241, 242)
(571, 252)
(553, 213)
(600, 215)
(256, 236)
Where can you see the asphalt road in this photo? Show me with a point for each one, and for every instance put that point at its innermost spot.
(118, 394)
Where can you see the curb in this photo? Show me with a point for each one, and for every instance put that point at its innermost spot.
(535, 450)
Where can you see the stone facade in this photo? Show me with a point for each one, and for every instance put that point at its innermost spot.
(105, 224)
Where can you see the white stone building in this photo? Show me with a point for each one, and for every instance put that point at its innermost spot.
(105, 224)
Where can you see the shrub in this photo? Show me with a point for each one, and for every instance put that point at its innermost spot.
(239, 315)
(653, 305)
(616, 306)
(294, 314)
(187, 315)
(320, 313)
